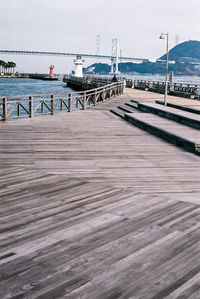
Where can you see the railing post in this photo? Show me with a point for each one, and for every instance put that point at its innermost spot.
(122, 87)
(52, 104)
(42, 107)
(69, 102)
(103, 95)
(18, 109)
(118, 92)
(5, 108)
(84, 100)
(31, 112)
(95, 97)
(114, 91)
(110, 92)
(76, 102)
(195, 91)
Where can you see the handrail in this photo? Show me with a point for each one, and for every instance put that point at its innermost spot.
(30, 105)
(181, 88)
(154, 82)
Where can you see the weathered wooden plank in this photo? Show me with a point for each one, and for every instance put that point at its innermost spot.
(92, 207)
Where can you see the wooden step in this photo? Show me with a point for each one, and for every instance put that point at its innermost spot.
(126, 108)
(178, 134)
(133, 105)
(137, 101)
(118, 112)
(183, 117)
(180, 107)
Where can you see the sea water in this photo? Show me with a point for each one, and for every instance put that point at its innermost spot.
(26, 86)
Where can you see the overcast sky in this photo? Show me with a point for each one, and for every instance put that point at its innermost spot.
(72, 26)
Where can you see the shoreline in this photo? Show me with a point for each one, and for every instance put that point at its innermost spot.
(14, 76)
(31, 76)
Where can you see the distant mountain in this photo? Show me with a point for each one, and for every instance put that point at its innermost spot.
(185, 56)
(185, 52)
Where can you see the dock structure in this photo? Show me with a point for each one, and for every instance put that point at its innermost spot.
(94, 207)
(46, 77)
(86, 82)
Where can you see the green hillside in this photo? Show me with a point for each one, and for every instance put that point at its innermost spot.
(185, 56)
(186, 52)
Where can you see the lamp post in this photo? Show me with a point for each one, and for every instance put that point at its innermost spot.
(162, 36)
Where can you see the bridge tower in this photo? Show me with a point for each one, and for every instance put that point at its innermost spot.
(115, 56)
(78, 66)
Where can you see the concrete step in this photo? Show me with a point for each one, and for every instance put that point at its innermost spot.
(183, 117)
(178, 134)
(180, 107)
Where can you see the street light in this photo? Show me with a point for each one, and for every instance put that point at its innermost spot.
(162, 36)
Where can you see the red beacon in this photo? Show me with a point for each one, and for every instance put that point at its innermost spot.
(51, 70)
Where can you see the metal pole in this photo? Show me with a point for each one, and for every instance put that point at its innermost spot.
(166, 83)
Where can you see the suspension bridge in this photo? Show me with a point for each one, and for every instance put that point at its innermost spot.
(67, 54)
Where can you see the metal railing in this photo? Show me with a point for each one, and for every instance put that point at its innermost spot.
(159, 86)
(24, 106)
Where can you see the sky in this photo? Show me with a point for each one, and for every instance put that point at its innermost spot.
(73, 25)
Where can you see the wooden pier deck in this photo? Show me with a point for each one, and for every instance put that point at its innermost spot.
(93, 207)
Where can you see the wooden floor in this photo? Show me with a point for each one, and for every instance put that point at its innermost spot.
(93, 207)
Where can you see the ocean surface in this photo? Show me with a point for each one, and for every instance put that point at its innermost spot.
(18, 86)
(23, 86)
